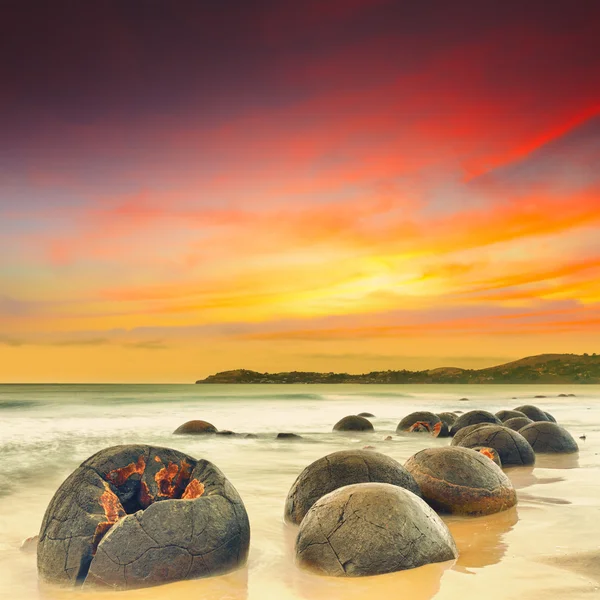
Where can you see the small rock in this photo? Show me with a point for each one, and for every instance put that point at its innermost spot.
(353, 423)
(289, 436)
(29, 546)
(365, 414)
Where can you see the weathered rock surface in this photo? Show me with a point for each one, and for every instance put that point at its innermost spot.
(353, 423)
(195, 428)
(518, 423)
(461, 481)
(533, 412)
(505, 415)
(289, 436)
(511, 446)
(365, 414)
(423, 421)
(339, 469)
(549, 437)
(489, 453)
(132, 516)
(474, 417)
(550, 417)
(370, 529)
(449, 418)
(461, 433)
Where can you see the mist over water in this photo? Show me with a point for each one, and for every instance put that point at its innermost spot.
(533, 550)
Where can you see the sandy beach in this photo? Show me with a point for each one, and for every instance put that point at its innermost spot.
(546, 546)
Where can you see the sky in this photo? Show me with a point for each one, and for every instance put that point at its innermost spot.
(336, 185)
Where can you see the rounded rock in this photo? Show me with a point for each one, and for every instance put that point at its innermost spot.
(547, 437)
(366, 414)
(195, 428)
(489, 453)
(518, 423)
(511, 446)
(550, 417)
(465, 431)
(289, 436)
(423, 421)
(533, 412)
(461, 481)
(474, 417)
(449, 418)
(505, 415)
(134, 516)
(353, 423)
(342, 468)
(371, 529)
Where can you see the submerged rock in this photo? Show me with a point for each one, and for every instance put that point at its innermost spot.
(339, 469)
(505, 415)
(195, 428)
(132, 516)
(449, 418)
(370, 529)
(353, 423)
(461, 481)
(549, 437)
(365, 414)
(289, 436)
(511, 446)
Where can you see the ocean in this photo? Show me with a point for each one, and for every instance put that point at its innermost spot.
(547, 545)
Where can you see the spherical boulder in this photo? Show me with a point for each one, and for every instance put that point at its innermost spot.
(134, 516)
(195, 428)
(371, 529)
(511, 446)
(461, 433)
(550, 417)
(353, 423)
(339, 469)
(517, 423)
(461, 481)
(505, 415)
(449, 418)
(533, 412)
(547, 437)
(423, 421)
(366, 414)
(472, 418)
(490, 453)
(289, 436)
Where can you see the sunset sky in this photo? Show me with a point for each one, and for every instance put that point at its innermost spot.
(343, 185)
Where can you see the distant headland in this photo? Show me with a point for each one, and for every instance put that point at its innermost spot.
(543, 368)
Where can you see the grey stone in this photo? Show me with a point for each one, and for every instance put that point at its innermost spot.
(533, 412)
(474, 417)
(518, 423)
(339, 469)
(505, 415)
(547, 437)
(353, 423)
(370, 529)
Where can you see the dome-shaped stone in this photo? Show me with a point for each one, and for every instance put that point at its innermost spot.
(339, 469)
(370, 529)
(449, 418)
(550, 417)
(423, 421)
(366, 414)
(533, 412)
(549, 437)
(474, 417)
(461, 481)
(133, 516)
(195, 428)
(505, 415)
(353, 423)
(518, 423)
(511, 446)
(461, 433)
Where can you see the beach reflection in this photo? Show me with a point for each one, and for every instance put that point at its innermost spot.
(480, 540)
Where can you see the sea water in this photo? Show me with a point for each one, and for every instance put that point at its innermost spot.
(549, 545)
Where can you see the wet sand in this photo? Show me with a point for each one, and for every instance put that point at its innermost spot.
(548, 545)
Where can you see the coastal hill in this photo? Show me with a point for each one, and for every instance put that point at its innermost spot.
(543, 368)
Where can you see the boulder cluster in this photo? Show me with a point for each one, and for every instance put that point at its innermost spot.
(133, 516)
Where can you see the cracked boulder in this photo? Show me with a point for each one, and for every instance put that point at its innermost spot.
(339, 469)
(510, 445)
(353, 423)
(475, 417)
(466, 431)
(490, 453)
(533, 412)
(517, 423)
(505, 415)
(371, 529)
(423, 421)
(546, 437)
(461, 481)
(134, 516)
(449, 418)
